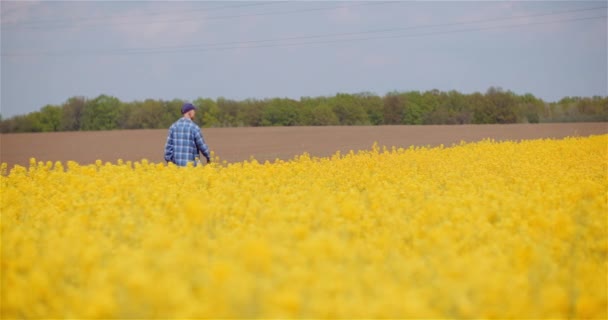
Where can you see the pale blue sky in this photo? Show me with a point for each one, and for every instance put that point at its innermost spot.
(135, 50)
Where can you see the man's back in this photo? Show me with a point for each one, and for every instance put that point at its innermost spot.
(184, 142)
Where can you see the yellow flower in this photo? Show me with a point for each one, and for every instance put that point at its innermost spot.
(479, 230)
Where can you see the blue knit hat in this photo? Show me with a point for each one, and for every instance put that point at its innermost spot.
(187, 107)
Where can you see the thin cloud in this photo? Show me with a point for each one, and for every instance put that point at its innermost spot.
(345, 15)
(166, 30)
(17, 11)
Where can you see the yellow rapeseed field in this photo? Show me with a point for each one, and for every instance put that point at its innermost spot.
(476, 230)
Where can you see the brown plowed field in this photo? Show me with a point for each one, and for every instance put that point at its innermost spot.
(266, 143)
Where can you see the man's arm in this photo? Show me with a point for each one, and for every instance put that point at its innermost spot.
(169, 147)
(201, 145)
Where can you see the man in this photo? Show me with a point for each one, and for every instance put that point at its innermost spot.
(185, 140)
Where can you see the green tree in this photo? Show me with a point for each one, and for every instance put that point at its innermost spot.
(173, 111)
(21, 123)
(228, 112)
(393, 108)
(207, 112)
(498, 107)
(308, 106)
(349, 110)
(478, 105)
(450, 108)
(252, 112)
(413, 111)
(148, 114)
(72, 112)
(373, 106)
(503, 105)
(323, 115)
(530, 108)
(280, 112)
(413, 107)
(124, 113)
(50, 118)
(431, 103)
(592, 108)
(101, 113)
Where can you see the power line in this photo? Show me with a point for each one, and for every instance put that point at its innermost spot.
(418, 35)
(331, 35)
(63, 23)
(324, 42)
(184, 20)
(338, 41)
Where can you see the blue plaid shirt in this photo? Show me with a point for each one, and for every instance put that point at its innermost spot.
(184, 142)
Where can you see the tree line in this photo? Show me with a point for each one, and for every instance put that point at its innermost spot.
(495, 106)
